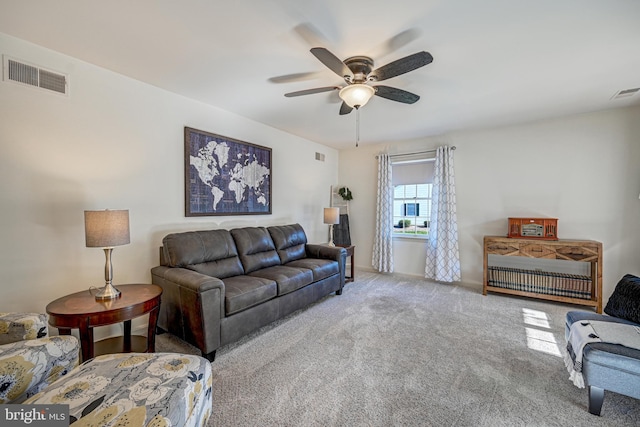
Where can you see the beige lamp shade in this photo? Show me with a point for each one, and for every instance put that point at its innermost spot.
(332, 215)
(105, 229)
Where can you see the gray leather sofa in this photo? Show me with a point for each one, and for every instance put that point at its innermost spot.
(219, 285)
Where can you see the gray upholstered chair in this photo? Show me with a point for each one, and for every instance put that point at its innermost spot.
(606, 366)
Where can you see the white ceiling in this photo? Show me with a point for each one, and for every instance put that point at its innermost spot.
(496, 62)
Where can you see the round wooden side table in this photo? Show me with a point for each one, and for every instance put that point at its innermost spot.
(81, 311)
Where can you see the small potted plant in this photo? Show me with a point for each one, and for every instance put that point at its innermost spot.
(345, 193)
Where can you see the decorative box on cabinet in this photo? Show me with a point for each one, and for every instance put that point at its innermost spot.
(534, 228)
(581, 290)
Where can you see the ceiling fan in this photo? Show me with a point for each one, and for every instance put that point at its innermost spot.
(358, 71)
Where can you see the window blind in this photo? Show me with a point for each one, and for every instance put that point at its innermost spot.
(412, 172)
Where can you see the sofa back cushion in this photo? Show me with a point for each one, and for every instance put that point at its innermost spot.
(211, 252)
(290, 242)
(255, 248)
(625, 300)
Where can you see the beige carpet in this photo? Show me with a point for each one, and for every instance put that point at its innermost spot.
(406, 352)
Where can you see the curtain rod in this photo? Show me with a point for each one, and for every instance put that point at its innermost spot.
(417, 152)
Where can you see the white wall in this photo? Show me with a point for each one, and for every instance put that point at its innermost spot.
(581, 169)
(118, 143)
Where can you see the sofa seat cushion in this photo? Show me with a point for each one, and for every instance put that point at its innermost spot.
(137, 389)
(321, 268)
(288, 278)
(612, 355)
(242, 292)
(575, 315)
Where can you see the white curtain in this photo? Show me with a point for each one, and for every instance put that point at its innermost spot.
(443, 256)
(382, 258)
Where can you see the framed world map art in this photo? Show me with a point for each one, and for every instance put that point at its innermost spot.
(224, 176)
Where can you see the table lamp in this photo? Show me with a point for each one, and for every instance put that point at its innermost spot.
(331, 216)
(106, 229)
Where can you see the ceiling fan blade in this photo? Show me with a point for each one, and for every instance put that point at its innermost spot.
(396, 94)
(332, 62)
(311, 91)
(296, 77)
(396, 42)
(401, 66)
(310, 34)
(345, 109)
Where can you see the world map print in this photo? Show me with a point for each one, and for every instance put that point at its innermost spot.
(226, 176)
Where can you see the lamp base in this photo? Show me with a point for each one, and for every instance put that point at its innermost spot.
(331, 235)
(107, 293)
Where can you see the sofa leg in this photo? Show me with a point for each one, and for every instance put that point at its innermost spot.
(596, 397)
(339, 292)
(210, 356)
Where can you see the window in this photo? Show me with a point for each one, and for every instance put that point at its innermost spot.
(412, 184)
(412, 209)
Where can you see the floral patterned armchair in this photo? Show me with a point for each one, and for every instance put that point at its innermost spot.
(136, 389)
(29, 360)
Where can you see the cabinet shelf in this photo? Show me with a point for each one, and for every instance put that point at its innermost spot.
(572, 289)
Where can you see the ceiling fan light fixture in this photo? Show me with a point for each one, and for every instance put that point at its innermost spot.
(356, 95)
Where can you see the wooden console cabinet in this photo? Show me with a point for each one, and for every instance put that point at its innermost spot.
(570, 250)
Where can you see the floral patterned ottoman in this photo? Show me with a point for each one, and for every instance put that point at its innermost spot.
(135, 389)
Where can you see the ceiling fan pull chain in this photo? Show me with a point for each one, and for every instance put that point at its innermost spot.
(357, 126)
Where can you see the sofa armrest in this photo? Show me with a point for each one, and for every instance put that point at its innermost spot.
(29, 366)
(334, 253)
(192, 305)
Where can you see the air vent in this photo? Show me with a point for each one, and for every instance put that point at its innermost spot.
(31, 75)
(626, 93)
(320, 157)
